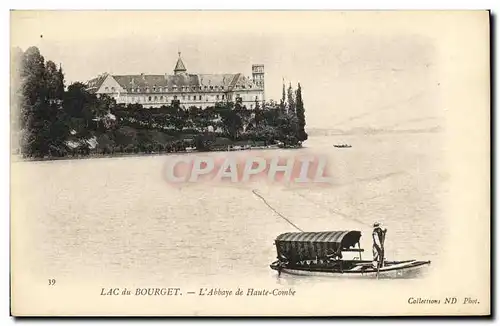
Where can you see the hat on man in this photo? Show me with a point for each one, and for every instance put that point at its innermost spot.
(376, 224)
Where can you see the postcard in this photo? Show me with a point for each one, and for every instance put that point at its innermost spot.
(250, 163)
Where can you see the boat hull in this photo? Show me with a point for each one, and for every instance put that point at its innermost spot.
(395, 269)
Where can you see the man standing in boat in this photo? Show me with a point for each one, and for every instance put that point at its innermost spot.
(378, 236)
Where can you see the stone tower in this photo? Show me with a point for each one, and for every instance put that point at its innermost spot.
(258, 75)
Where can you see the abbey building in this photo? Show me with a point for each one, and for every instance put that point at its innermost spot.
(201, 90)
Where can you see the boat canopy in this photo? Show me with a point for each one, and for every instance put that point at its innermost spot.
(297, 246)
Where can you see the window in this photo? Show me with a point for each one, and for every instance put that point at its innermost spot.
(222, 87)
(200, 98)
(156, 98)
(205, 87)
(147, 89)
(222, 96)
(211, 87)
(112, 89)
(149, 98)
(217, 97)
(183, 97)
(161, 98)
(154, 89)
(106, 88)
(189, 97)
(137, 90)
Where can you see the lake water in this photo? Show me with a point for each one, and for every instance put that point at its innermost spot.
(117, 220)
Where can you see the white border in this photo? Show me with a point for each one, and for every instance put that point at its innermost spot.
(494, 5)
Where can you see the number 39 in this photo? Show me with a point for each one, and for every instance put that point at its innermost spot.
(52, 281)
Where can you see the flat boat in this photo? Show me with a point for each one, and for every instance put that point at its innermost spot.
(321, 253)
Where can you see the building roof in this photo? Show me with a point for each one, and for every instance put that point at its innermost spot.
(179, 66)
(95, 84)
(183, 82)
(180, 81)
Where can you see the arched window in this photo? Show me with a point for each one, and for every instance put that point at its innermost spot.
(200, 98)
(156, 99)
(106, 88)
(161, 98)
(149, 99)
(112, 89)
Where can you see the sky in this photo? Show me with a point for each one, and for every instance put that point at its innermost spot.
(363, 70)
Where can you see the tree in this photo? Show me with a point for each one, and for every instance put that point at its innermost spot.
(258, 117)
(33, 103)
(55, 82)
(291, 101)
(105, 143)
(301, 119)
(176, 117)
(126, 138)
(80, 107)
(282, 101)
(231, 119)
(42, 119)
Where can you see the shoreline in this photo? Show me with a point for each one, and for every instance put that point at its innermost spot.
(118, 155)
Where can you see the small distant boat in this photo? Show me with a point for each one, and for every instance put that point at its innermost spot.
(320, 253)
(342, 146)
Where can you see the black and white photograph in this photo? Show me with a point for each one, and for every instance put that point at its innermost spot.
(249, 163)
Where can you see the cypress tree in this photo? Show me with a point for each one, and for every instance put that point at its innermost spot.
(301, 119)
(282, 101)
(291, 100)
